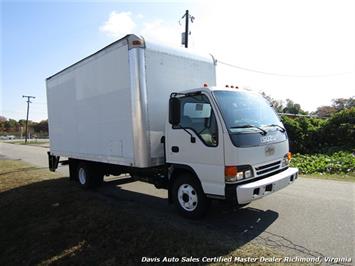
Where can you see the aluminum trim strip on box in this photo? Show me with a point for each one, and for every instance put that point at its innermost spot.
(141, 151)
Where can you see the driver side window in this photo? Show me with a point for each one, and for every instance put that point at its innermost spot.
(197, 114)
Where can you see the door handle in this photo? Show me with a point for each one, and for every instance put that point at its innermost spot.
(175, 149)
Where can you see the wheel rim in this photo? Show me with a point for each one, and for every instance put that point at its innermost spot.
(82, 176)
(187, 197)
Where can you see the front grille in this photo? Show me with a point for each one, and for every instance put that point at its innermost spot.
(267, 168)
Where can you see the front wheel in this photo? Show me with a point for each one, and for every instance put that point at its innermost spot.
(188, 196)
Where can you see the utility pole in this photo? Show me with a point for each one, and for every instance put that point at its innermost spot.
(187, 17)
(187, 28)
(28, 110)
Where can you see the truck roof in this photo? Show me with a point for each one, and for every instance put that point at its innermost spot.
(216, 88)
(142, 43)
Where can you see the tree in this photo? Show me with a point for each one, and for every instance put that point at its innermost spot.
(339, 130)
(338, 104)
(303, 133)
(343, 103)
(10, 125)
(22, 122)
(41, 127)
(2, 123)
(276, 104)
(293, 108)
(325, 111)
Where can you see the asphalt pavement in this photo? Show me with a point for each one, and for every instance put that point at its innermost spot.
(310, 218)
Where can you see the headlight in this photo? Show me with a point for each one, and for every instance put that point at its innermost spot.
(248, 174)
(240, 175)
(237, 173)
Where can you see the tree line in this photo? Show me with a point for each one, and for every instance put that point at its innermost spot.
(329, 129)
(17, 128)
(325, 111)
(332, 129)
(309, 135)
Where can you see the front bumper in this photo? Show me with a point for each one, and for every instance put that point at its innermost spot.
(246, 193)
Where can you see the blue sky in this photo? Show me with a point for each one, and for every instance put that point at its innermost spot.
(305, 38)
(40, 38)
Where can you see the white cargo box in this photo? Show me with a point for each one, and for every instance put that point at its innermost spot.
(112, 106)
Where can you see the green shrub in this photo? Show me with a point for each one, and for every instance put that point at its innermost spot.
(313, 135)
(336, 163)
(339, 130)
(303, 133)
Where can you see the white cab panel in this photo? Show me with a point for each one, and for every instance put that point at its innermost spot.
(206, 161)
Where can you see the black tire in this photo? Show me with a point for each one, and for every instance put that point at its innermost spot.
(88, 177)
(188, 196)
(73, 173)
(99, 179)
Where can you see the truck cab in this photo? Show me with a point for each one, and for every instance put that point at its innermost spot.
(225, 143)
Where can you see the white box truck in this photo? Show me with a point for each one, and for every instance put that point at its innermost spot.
(155, 113)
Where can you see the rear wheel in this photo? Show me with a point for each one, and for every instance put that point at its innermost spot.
(88, 177)
(73, 174)
(189, 197)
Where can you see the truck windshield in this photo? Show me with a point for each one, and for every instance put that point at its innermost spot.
(246, 111)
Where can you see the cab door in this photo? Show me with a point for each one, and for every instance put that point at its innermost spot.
(197, 142)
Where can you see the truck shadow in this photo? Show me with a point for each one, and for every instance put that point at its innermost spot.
(55, 221)
(244, 223)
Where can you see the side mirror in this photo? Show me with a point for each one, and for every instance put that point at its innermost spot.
(174, 111)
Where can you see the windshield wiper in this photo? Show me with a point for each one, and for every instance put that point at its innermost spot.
(262, 131)
(275, 125)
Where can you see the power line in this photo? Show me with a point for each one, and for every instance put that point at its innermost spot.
(28, 110)
(283, 75)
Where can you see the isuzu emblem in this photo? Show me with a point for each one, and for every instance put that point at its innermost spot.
(269, 150)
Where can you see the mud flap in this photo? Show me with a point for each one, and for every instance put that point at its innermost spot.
(53, 161)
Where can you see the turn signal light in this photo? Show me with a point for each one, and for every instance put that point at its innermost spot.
(286, 160)
(289, 156)
(230, 171)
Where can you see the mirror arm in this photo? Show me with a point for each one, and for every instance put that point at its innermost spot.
(192, 138)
